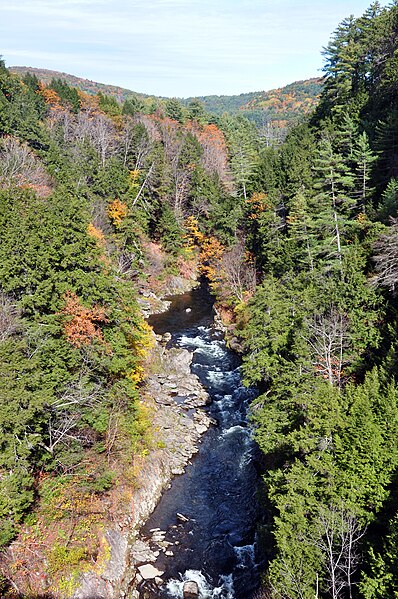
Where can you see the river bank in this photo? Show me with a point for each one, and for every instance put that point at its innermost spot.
(214, 544)
(199, 526)
(175, 398)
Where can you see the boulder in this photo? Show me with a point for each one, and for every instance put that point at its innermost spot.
(149, 572)
(191, 590)
(201, 428)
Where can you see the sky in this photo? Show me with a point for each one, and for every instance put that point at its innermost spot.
(175, 48)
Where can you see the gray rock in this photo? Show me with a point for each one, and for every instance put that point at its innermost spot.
(191, 590)
(149, 572)
(201, 428)
(177, 471)
(141, 553)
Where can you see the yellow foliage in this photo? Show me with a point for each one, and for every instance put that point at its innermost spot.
(362, 218)
(137, 375)
(195, 236)
(257, 204)
(97, 234)
(117, 212)
(211, 250)
(142, 348)
(134, 175)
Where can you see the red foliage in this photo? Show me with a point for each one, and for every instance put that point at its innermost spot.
(81, 328)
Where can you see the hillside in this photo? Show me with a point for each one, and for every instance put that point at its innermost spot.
(85, 85)
(285, 104)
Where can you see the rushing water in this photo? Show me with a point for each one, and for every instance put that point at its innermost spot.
(216, 546)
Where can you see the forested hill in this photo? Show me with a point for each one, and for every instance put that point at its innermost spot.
(283, 106)
(85, 85)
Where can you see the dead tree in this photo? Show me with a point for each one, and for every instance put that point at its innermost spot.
(339, 535)
(386, 258)
(327, 338)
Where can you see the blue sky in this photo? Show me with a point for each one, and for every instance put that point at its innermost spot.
(174, 47)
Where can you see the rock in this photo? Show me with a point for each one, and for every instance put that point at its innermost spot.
(177, 471)
(201, 428)
(166, 337)
(159, 581)
(169, 553)
(188, 310)
(182, 518)
(170, 385)
(235, 345)
(141, 553)
(191, 590)
(149, 572)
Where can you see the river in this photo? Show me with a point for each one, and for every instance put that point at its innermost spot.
(216, 546)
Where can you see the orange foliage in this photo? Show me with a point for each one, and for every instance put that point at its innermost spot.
(257, 204)
(81, 326)
(89, 103)
(99, 237)
(210, 255)
(215, 155)
(211, 250)
(51, 98)
(117, 212)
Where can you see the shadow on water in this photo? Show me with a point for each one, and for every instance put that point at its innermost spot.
(188, 310)
(217, 494)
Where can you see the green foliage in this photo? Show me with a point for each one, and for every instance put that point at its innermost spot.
(169, 230)
(109, 105)
(132, 106)
(69, 96)
(63, 557)
(174, 110)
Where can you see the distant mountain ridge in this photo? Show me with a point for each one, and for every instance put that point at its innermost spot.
(85, 85)
(284, 104)
(300, 96)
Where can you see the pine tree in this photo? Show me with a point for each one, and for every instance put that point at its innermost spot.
(332, 204)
